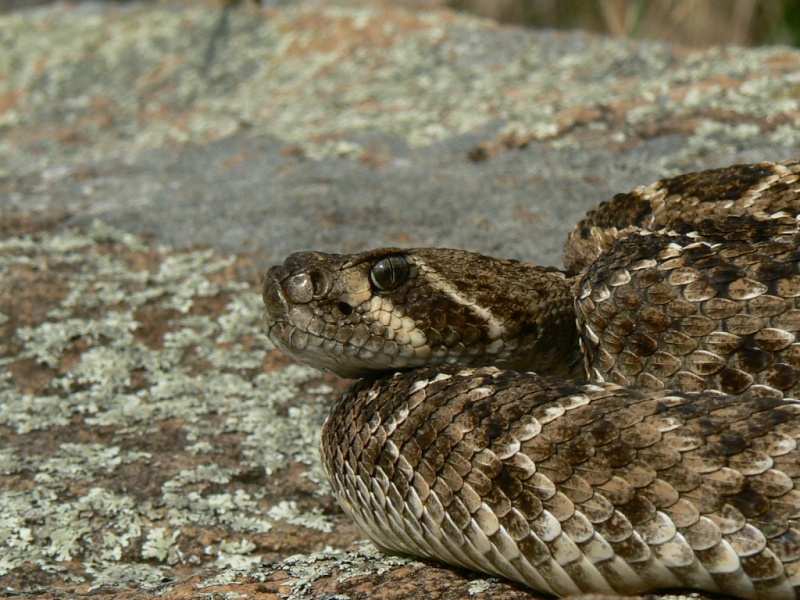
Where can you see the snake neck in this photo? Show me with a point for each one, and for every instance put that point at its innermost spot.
(556, 348)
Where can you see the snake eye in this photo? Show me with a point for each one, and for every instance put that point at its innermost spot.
(318, 282)
(389, 273)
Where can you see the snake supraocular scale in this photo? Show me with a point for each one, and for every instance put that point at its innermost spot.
(673, 464)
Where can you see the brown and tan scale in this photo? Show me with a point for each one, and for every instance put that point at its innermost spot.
(714, 308)
(676, 466)
(639, 490)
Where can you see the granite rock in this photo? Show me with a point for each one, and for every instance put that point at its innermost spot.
(155, 158)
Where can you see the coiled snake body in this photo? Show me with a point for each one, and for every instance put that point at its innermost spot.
(653, 443)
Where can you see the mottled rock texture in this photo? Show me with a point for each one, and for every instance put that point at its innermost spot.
(155, 159)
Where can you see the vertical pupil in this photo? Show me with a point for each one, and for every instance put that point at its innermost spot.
(389, 273)
(316, 281)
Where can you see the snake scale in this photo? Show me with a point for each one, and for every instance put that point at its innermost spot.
(623, 426)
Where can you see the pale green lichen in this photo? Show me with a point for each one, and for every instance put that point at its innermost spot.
(48, 342)
(107, 573)
(84, 462)
(24, 413)
(305, 569)
(284, 74)
(237, 511)
(784, 136)
(159, 543)
(480, 586)
(227, 576)
(236, 554)
(41, 526)
(710, 136)
(294, 436)
(288, 511)
(55, 521)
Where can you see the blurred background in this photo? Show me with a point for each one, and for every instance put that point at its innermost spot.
(695, 23)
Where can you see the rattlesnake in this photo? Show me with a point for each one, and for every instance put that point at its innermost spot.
(638, 478)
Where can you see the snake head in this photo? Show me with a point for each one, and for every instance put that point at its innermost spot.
(391, 309)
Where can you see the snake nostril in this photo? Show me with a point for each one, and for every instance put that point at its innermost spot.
(273, 275)
(271, 296)
(345, 309)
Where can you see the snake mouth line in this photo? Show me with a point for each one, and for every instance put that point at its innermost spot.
(339, 357)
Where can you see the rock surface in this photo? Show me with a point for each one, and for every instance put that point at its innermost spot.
(155, 159)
